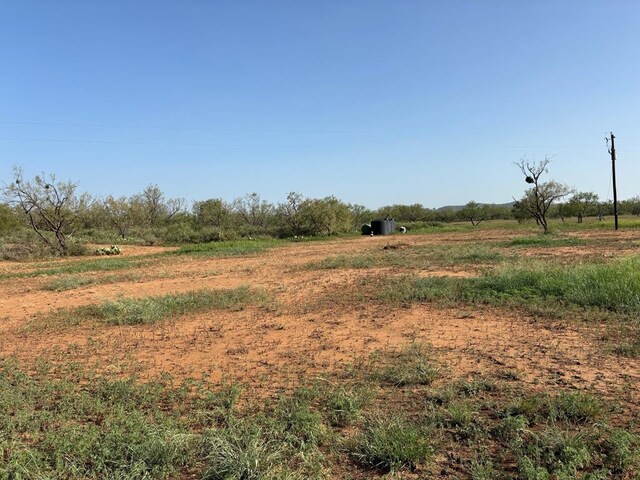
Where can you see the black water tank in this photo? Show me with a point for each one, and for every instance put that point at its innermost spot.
(383, 227)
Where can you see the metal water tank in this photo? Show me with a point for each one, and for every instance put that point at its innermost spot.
(384, 226)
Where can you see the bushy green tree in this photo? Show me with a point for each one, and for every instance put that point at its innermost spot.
(157, 209)
(290, 214)
(326, 216)
(474, 213)
(124, 213)
(580, 205)
(9, 219)
(254, 212)
(214, 212)
(359, 215)
(630, 206)
(403, 213)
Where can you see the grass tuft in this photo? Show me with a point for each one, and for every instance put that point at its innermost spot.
(390, 443)
(411, 366)
(244, 452)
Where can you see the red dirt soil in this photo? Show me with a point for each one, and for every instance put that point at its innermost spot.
(306, 334)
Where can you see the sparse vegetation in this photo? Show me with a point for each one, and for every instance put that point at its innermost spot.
(610, 287)
(411, 366)
(146, 310)
(89, 407)
(228, 249)
(56, 428)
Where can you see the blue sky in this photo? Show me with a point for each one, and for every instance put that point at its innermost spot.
(375, 102)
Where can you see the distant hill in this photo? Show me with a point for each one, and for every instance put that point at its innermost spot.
(455, 208)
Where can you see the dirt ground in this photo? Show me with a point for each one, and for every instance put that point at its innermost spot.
(306, 334)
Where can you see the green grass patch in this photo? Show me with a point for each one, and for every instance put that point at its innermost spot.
(103, 429)
(613, 287)
(245, 451)
(392, 442)
(343, 405)
(629, 349)
(72, 282)
(422, 257)
(229, 248)
(570, 407)
(154, 309)
(545, 241)
(413, 365)
(149, 310)
(625, 222)
(84, 266)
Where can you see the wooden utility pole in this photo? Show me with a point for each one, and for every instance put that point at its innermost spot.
(612, 151)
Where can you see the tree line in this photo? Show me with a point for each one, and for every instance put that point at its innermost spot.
(57, 215)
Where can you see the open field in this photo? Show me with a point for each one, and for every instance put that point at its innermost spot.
(477, 353)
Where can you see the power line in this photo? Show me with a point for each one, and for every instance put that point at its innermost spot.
(241, 145)
(265, 130)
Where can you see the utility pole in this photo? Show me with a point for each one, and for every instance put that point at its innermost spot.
(612, 151)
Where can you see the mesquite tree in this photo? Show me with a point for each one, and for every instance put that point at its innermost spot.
(538, 199)
(474, 212)
(51, 207)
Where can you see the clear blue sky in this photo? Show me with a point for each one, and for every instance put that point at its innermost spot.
(376, 102)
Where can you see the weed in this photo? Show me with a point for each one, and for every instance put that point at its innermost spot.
(574, 407)
(391, 443)
(475, 387)
(245, 452)
(462, 417)
(301, 427)
(551, 452)
(102, 430)
(343, 406)
(411, 366)
(533, 407)
(415, 257)
(482, 468)
(218, 407)
(610, 287)
(510, 427)
(620, 450)
(68, 283)
(629, 349)
(72, 282)
(98, 265)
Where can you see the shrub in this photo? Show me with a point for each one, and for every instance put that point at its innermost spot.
(25, 245)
